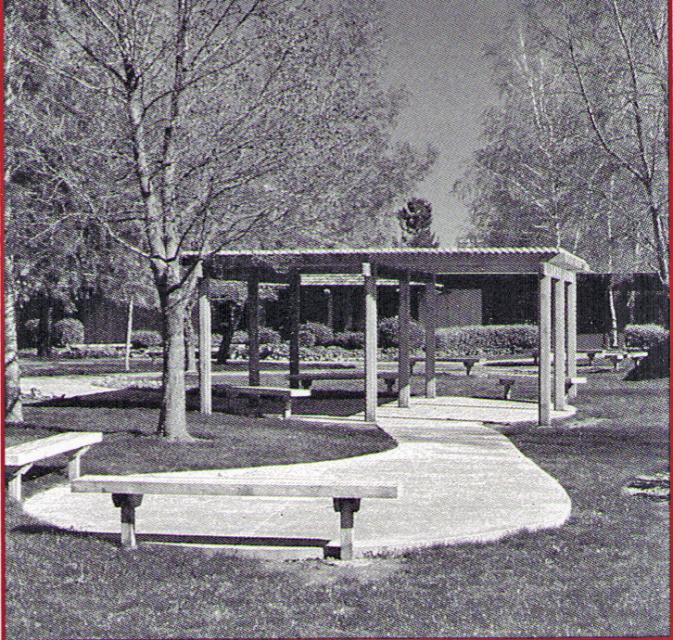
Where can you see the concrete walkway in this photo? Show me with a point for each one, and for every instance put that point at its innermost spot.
(459, 481)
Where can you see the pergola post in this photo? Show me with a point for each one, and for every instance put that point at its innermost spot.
(404, 368)
(544, 330)
(571, 336)
(253, 329)
(205, 346)
(371, 342)
(559, 345)
(430, 304)
(295, 321)
(329, 295)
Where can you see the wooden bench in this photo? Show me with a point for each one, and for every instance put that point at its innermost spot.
(467, 361)
(306, 379)
(21, 457)
(509, 381)
(284, 393)
(127, 494)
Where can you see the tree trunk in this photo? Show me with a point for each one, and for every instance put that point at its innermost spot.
(44, 329)
(173, 416)
(13, 408)
(190, 342)
(129, 334)
(230, 322)
(614, 328)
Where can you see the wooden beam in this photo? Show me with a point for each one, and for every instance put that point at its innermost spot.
(555, 271)
(403, 363)
(544, 332)
(371, 342)
(430, 314)
(559, 345)
(253, 329)
(205, 345)
(571, 335)
(295, 321)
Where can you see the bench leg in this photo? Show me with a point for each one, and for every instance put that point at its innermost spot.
(14, 488)
(74, 464)
(128, 503)
(346, 508)
(592, 357)
(390, 385)
(468, 367)
(306, 384)
(287, 409)
(507, 391)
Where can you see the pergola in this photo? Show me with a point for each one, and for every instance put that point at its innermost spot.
(556, 269)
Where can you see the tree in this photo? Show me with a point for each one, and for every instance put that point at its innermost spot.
(415, 220)
(189, 123)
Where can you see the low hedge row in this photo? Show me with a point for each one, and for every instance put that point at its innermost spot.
(488, 340)
(643, 336)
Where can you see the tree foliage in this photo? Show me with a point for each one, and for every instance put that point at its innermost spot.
(415, 221)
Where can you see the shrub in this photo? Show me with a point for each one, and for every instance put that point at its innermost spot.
(145, 338)
(488, 340)
(267, 335)
(323, 335)
(32, 328)
(215, 340)
(349, 340)
(644, 336)
(655, 365)
(389, 333)
(67, 331)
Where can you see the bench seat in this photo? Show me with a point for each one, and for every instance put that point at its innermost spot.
(509, 381)
(20, 458)
(306, 379)
(127, 493)
(284, 393)
(467, 361)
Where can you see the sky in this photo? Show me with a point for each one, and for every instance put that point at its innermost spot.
(435, 50)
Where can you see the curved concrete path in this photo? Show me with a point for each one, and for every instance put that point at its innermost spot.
(458, 481)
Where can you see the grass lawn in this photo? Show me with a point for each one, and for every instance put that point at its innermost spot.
(604, 573)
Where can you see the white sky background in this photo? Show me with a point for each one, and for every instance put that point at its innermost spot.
(435, 50)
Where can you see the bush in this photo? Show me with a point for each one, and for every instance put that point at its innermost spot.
(67, 331)
(488, 340)
(349, 340)
(644, 336)
(145, 338)
(267, 335)
(657, 364)
(323, 335)
(389, 333)
(32, 328)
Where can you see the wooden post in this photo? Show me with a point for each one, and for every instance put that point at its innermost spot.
(430, 303)
(571, 337)
(14, 487)
(129, 334)
(371, 343)
(346, 508)
(74, 464)
(295, 320)
(544, 329)
(253, 329)
(330, 308)
(559, 345)
(205, 338)
(128, 504)
(404, 367)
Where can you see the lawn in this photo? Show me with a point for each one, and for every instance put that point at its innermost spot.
(605, 573)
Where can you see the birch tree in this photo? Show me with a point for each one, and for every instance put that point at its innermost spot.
(187, 124)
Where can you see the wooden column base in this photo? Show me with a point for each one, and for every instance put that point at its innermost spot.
(14, 487)
(128, 503)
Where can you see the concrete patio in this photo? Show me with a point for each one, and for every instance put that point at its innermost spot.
(459, 481)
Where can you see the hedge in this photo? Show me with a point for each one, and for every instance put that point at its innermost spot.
(67, 331)
(315, 333)
(267, 335)
(643, 336)
(349, 340)
(389, 333)
(487, 340)
(145, 338)
(32, 329)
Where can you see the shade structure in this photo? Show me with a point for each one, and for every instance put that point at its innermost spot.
(555, 268)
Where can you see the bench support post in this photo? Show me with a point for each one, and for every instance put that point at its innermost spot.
(371, 342)
(404, 368)
(559, 345)
(14, 488)
(544, 330)
(74, 464)
(430, 304)
(127, 502)
(346, 508)
(287, 408)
